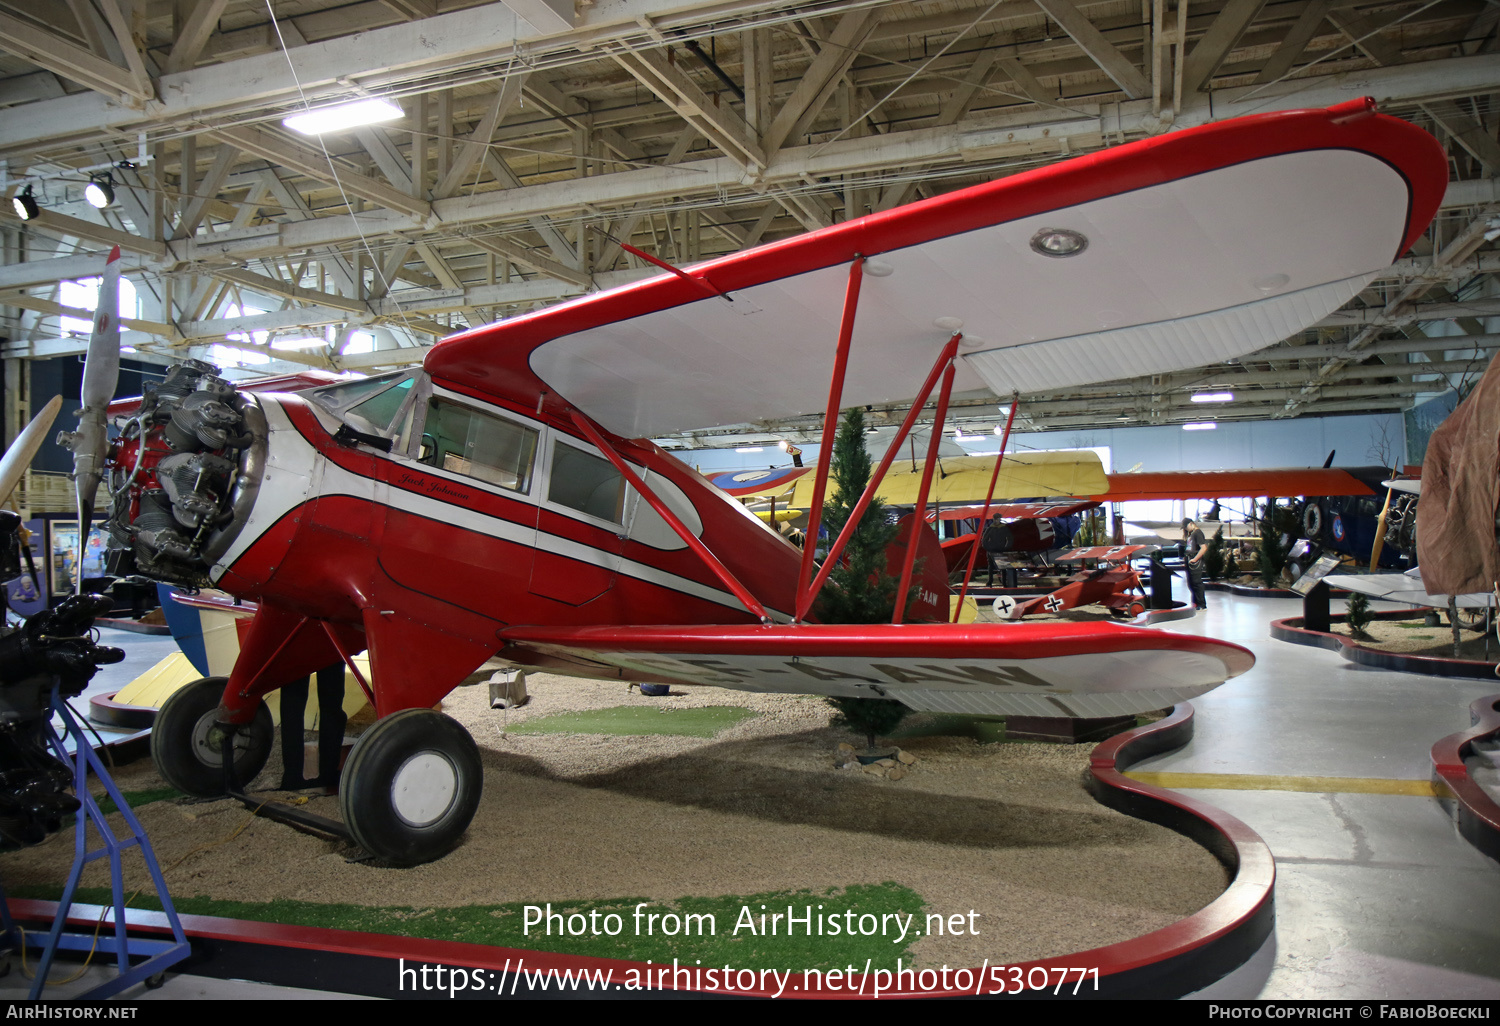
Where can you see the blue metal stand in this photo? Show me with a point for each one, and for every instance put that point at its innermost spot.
(162, 954)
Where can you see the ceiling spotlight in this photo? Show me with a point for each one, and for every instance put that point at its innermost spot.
(25, 205)
(1059, 242)
(100, 192)
(1213, 397)
(345, 115)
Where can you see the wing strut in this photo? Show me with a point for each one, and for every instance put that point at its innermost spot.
(710, 560)
(830, 428)
(984, 517)
(701, 282)
(805, 600)
(919, 515)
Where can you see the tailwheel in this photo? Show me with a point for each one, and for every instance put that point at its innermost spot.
(1136, 607)
(1475, 619)
(410, 787)
(187, 743)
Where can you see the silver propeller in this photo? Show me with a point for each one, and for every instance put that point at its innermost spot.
(101, 373)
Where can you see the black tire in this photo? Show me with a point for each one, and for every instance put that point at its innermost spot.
(187, 747)
(411, 786)
(1469, 618)
(1312, 521)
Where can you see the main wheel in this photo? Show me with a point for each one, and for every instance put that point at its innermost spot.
(187, 744)
(410, 787)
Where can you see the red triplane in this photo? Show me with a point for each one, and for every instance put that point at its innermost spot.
(505, 500)
(1113, 584)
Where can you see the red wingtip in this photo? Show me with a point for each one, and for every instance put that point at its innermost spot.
(114, 255)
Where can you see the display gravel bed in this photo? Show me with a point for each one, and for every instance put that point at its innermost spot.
(1004, 830)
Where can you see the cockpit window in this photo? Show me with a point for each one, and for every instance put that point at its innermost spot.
(478, 445)
(584, 482)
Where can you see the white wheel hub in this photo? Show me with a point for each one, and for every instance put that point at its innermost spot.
(208, 740)
(424, 788)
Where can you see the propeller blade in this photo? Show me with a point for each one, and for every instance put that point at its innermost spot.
(101, 370)
(19, 456)
(101, 374)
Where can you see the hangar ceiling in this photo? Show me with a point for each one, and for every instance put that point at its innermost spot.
(538, 134)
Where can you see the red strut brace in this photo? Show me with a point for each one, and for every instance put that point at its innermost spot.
(830, 430)
(837, 550)
(710, 560)
(919, 515)
(989, 496)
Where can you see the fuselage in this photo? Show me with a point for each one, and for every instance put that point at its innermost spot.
(393, 501)
(516, 522)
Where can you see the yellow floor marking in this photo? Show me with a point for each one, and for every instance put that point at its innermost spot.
(1249, 782)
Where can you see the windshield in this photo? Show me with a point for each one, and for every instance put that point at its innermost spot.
(346, 393)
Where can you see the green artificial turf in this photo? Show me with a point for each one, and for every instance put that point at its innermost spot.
(738, 938)
(638, 719)
(135, 799)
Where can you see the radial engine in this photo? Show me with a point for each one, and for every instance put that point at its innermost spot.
(183, 476)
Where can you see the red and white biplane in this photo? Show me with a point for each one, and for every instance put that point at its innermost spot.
(505, 501)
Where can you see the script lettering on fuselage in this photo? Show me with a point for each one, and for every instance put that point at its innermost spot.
(433, 486)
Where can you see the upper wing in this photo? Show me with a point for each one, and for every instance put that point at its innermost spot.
(1018, 511)
(1226, 484)
(966, 479)
(1197, 250)
(743, 484)
(1064, 669)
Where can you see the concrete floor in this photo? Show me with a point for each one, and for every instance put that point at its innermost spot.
(1376, 897)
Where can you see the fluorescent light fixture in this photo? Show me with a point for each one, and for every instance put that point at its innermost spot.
(751, 448)
(345, 115)
(1213, 397)
(1202, 425)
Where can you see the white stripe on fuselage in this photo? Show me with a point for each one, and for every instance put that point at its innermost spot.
(294, 466)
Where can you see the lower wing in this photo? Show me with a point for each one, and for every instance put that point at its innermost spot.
(1074, 670)
(1406, 588)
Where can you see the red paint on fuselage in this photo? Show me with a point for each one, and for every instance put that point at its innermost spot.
(364, 561)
